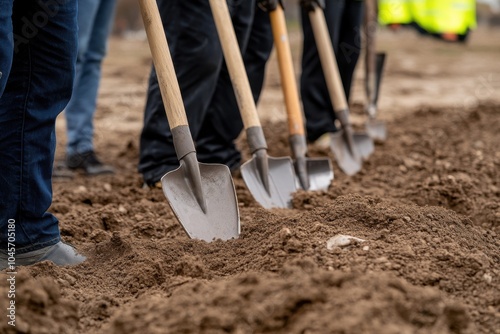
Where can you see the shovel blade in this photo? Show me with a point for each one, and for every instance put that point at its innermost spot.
(319, 173)
(347, 161)
(376, 129)
(364, 144)
(221, 219)
(281, 182)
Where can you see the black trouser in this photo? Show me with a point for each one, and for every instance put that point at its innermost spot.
(208, 96)
(343, 18)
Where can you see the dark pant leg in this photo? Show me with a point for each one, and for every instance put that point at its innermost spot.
(223, 124)
(38, 88)
(6, 42)
(318, 109)
(260, 46)
(349, 44)
(197, 58)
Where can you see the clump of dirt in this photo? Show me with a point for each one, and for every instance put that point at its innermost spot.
(35, 305)
(300, 299)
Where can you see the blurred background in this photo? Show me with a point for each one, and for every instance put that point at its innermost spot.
(128, 21)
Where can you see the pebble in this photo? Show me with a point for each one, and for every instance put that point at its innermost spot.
(341, 240)
(407, 219)
(285, 231)
(122, 209)
(107, 186)
(488, 278)
(80, 190)
(366, 248)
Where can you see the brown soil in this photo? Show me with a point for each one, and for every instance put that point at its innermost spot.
(427, 203)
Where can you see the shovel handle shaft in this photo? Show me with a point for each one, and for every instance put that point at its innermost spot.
(234, 62)
(370, 25)
(328, 60)
(288, 80)
(169, 87)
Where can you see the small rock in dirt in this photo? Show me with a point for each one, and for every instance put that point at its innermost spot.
(366, 248)
(107, 186)
(122, 209)
(341, 240)
(81, 190)
(407, 219)
(488, 278)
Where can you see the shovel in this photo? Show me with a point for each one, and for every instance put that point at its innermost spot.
(270, 180)
(348, 147)
(312, 173)
(190, 188)
(374, 65)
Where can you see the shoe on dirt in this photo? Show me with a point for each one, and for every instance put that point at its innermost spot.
(324, 141)
(61, 171)
(88, 163)
(61, 254)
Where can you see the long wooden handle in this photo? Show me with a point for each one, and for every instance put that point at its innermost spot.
(328, 60)
(169, 87)
(370, 25)
(288, 81)
(234, 61)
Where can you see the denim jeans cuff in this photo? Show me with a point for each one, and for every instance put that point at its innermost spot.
(38, 245)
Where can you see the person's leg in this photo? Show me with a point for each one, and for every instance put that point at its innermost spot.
(349, 44)
(223, 123)
(197, 58)
(6, 41)
(79, 107)
(38, 88)
(318, 109)
(95, 21)
(258, 51)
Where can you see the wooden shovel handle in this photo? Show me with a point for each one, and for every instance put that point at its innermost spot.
(169, 87)
(328, 60)
(288, 81)
(370, 25)
(235, 65)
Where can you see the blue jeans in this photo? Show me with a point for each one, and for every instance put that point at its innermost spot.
(94, 22)
(37, 59)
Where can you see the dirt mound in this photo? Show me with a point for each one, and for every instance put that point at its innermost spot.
(300, 299)
(39, 306)
(426, 204)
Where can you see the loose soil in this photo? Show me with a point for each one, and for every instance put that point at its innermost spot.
(427, 204)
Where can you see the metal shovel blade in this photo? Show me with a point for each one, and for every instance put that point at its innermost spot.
(319, 174)
(376, 129)
(364, 144)
(221, 219)
(348, 161)
(281, 182)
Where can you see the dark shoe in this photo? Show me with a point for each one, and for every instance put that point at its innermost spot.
(61, 254)
(61, 171)
(88, 163)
